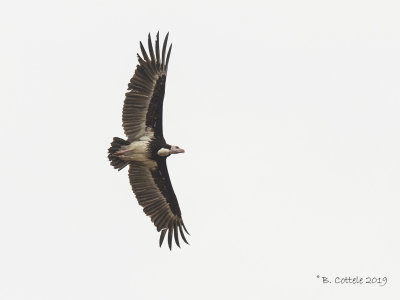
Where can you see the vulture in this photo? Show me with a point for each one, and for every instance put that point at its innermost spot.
(145, 149)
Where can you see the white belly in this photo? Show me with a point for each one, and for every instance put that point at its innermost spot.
(138, 151)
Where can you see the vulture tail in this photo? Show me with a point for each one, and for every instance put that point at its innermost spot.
(115, 161)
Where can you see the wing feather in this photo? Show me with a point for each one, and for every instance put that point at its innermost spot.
(150, 45)
(176, 235)
(170, 231)
(169, 52)
(153, 189)
(143, 104)
(163, 51)
(144, 53)
(158, 49)
(162, 235)
(182, 235)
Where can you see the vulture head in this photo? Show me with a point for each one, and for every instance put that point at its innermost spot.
(170, 150)
(176, 150)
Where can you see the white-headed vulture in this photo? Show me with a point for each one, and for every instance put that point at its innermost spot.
(145, 150)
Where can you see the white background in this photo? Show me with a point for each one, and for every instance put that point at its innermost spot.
(289, 114)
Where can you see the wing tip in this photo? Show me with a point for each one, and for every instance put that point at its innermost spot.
(162, 235)
(173, 234)
(170, 230)
(185, 228)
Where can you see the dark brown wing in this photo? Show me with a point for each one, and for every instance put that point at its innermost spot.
(153, 190)
(143, 104)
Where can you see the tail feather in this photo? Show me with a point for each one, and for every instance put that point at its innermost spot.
(115, 161)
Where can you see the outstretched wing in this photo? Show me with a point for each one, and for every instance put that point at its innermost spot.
(144, 101)
(154, 192)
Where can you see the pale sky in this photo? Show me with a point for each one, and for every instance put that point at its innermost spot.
(289, 112)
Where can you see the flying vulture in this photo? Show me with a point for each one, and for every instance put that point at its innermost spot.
(145, 150)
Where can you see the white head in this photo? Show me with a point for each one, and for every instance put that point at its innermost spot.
(173, 150)
(176, 150)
